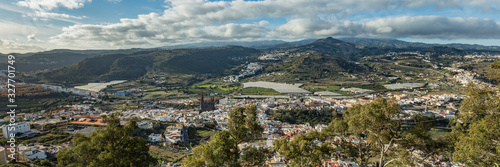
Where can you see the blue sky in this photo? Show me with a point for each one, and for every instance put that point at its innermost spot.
(37, 25)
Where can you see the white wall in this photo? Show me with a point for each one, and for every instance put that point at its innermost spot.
(17, 128)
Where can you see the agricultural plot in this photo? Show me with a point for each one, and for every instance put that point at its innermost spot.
(403, 86)
(96, 87)
(280, 87)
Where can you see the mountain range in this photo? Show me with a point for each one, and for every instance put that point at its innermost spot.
(328, 55)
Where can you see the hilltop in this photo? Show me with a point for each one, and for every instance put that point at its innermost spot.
(331, 46)
(315, 66)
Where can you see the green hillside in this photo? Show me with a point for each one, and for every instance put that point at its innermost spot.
(315, 66)
(215, 61)
(129, 66)
(41, 61)
(332, 47)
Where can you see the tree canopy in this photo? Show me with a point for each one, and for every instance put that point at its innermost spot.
(222, 149)
(112, 146)
(477, 128)
(372, 130)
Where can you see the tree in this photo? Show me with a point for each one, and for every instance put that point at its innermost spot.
(222, 150)
(376, 122)
(477, 128)
(255, 156)
(305, 149)
(479, 146)
(112, 146)
(476, 131)
(375, 130)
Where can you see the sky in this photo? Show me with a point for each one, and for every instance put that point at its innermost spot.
(38, 25)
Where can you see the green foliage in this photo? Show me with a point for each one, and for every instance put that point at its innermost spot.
(304, 150)
(493, 73)
(105, 67)
(207, 61)
(374, 120)
(222, 150)
(199, 134)
(479, 146)
(315, 66)
(477, 129)
(40, 61)
(258, 91)
(55, 137)
(36, 103)
(43, 162)
(15, 164)
(167, 154)
(112, 146)
(220, 88)
(442, 50)
(377, 124)
(302, 116)
(255, 156)
(334, 47)
(129, 66)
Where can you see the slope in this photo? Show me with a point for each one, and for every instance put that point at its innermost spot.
(314, 66)
(332, 47)
(129, 66)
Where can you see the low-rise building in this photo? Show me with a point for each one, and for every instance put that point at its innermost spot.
(277, 161)
(155, 138)
(174, 134)
(21, 127)
(84, 121)
(32, 154)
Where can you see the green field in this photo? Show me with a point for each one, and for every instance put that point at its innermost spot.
(220, 88)
(438, 132)
(258, 91)
(196, 135)
(55, 137)
(167, 154)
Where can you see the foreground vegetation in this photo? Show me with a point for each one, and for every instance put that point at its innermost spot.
(302, 116)
(112, 146)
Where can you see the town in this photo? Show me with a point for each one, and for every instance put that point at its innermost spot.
(172, 127)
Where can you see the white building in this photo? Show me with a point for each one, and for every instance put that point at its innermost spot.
(155, 138)
(21, 127)
(35, 153)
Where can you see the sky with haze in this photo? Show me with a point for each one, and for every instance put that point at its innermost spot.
(38, 25)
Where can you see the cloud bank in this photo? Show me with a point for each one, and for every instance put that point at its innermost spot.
(202, 20)
(42, 8)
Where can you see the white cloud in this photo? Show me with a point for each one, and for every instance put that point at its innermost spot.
(42, 8)
(54, 15)
(33, 37)
(11, 46)
(435, 27)
(52, 4)
(397, 27)
(202, 20)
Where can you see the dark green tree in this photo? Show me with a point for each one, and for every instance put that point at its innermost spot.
(477, 128)
(255, 156)
(112, 146)
(222, 150)
(377, 129)
(305, 149)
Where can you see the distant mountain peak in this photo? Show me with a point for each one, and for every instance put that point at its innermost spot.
(333, 47)
(329, 40)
